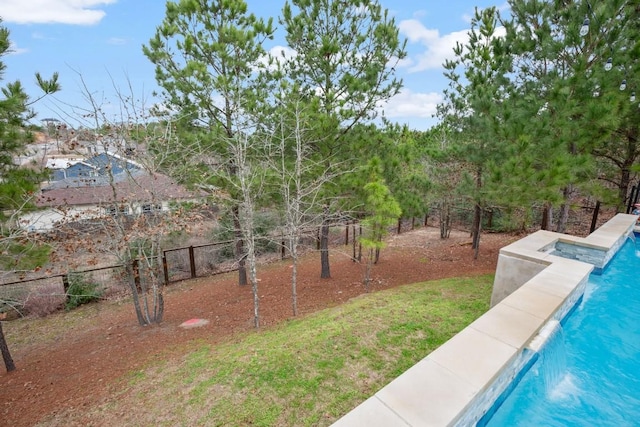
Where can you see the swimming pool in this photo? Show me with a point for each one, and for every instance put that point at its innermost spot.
(588, 372)
(538, 280)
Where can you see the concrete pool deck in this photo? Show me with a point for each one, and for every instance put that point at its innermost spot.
(459, 382)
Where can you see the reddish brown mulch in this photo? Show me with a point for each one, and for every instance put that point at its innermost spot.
(79, 369)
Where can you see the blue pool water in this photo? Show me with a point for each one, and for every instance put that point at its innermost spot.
(588, 373)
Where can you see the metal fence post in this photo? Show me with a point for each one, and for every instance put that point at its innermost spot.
(594, 219)
(633, 198)
(630, 201)
(165, 268)
(346, 234)
(192, 262)
(65, 286)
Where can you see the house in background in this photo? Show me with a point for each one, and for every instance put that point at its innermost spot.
(106, 184)
(101, 165)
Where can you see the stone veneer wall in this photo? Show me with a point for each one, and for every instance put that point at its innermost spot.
(522, 260)
(599, 257)
(580, 253)
(483, 403)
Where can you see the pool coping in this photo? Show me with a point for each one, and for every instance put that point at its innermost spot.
(457, 383)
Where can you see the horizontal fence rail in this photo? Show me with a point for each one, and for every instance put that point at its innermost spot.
(177, 264)
(198, 261)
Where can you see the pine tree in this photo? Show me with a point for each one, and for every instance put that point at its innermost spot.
(205, 54)
(473, 108)
(16, 184)
(566, 105)
(343, 55)
(381, 211)
(616, 29)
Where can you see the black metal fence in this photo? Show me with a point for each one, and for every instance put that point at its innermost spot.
(44, 295)
(197, 261)
(176, 264)
(205, 260)
(633, 198)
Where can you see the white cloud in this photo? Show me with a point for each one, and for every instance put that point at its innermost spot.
(75, 12)
(437, 48)
(411, 104)
(282, 53)
(15, 50)
(400, 63)
(277, 55)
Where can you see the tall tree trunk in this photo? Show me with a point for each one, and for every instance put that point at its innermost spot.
(157, 277)
(445, 219)
(159, 314)
(564, 217)
(477, 215)
(254, 288)
(6, 355)
(134, 293)
(477, 229)
(631, 154)
(325, 271)
(564, 210)
(293, 251)
(547, 214)
(240, 256)
(623, 186)
(367, 271)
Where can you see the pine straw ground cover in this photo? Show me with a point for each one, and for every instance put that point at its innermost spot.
(95, 366)
(305, 372)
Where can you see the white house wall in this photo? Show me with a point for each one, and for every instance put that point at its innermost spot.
(47, 219)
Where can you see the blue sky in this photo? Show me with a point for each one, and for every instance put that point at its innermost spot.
(101, 41)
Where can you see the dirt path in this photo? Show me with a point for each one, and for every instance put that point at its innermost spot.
(80, 366)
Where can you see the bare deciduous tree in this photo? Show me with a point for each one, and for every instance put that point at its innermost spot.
(300, 177)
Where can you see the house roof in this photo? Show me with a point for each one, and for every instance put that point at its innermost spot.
(107, 158)
(141, 187)
(61, 162)
(94, 181)
(102, 166)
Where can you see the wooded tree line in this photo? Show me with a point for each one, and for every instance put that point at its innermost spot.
(533, 116)
(541, 106)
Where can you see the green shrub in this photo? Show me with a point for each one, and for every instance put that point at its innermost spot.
(81, 291)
